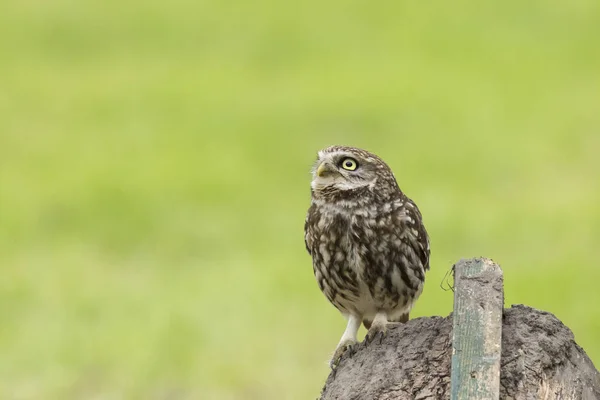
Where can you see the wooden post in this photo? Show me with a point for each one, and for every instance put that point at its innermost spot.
(477, 330)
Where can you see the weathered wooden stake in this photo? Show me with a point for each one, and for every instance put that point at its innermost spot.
(477, 330)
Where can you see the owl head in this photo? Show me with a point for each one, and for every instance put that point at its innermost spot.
(348, 169)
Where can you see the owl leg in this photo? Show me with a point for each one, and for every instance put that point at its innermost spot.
(378, 327)
(402, 318)
(347, 341)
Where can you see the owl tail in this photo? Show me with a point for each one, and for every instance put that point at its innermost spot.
(402, 318)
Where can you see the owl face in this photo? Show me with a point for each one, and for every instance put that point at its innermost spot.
(345, 168)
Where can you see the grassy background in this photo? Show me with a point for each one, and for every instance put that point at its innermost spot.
(154, 160)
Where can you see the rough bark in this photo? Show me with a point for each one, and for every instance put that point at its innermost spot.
(540, 360)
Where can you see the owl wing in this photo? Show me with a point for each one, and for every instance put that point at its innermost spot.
(413, 220)
(308, 222)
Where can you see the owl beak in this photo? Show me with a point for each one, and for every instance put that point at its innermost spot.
(323, 169)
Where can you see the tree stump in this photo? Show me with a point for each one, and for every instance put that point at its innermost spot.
(539, 360)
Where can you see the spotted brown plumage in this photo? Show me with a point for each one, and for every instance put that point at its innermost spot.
(368, 244)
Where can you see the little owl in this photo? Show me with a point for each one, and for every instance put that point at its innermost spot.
(368, 244)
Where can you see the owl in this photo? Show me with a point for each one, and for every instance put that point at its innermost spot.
(369, 248)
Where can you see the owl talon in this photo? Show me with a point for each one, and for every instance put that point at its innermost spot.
(342, 349)
(376, 332)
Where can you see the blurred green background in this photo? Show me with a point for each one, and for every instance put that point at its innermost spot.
(154, 178)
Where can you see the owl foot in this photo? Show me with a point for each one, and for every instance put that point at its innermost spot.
(378, 328)
(344, 347)
(377, 332)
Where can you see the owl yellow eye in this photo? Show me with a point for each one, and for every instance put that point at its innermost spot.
(350, 164)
